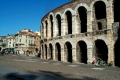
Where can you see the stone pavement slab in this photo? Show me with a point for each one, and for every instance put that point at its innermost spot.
(11, 74)
(57, 69)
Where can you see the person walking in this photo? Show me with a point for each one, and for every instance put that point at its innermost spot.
(3, 52)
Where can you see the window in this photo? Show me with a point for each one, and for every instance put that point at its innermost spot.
(20, 40)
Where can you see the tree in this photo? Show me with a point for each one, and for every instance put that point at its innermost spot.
(3, 45)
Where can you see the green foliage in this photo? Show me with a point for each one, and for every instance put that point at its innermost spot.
(3, 45)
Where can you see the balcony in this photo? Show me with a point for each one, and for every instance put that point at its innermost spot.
(32, 44)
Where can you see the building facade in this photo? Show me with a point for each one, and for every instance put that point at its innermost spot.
(10, 42)
(82, 31)
(3, 42)
(27, 41)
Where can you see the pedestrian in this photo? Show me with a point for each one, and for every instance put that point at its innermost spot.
(97, 62)
(101, 63)
(3, 52)
(94, 62)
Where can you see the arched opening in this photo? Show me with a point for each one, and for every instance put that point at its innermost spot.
(69, 21)
(45, 51)
(68, 51)
(51, 51)
(59, 24)
(36, 49)
(81, 52)
(117, 52)
(58, 51)
(42, 30)
(0, 48)
(99, 26)
(46, 27)
(101, 50)
(116, 11)
(42, 52)
(83, 18)
(51, 20)
(100, 10)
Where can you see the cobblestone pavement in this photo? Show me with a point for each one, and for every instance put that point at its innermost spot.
(63, 70)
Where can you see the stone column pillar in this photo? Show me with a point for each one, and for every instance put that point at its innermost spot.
(110, 52)
(75, 24)
(89, 54)
(64, 28)
(55, 30)
(109, 14)
(41, 31)
(53, 51)
(62, 55)
(48, 53)
(43, 56)
(44, 30)
(74, 56)
(41, 52)
(93, 20)
(89, 21)
(110, 45)
(49, 29)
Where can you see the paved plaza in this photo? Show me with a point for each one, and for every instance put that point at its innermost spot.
(17, 67)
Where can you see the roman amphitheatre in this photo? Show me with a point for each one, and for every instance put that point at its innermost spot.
(81, 31)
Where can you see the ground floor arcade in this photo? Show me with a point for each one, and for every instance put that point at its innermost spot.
(81, 52)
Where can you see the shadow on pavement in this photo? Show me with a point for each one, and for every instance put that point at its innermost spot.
(60, 76)
(16, 76)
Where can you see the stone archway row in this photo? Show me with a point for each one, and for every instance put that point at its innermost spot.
(80, 54)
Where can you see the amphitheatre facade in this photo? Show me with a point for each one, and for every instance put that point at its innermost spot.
(82, 31)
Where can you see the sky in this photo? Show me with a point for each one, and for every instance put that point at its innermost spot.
(16, 15)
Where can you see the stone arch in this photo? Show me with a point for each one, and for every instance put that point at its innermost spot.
(51, 13)
(81, 5)
(99, 14)
(58, 51)
(81, 50)
(82, 15)
(93, 2)
(68, 9)
(98, 6)
(58, 22)
(58, 13)
(50, 51)
(51, 24)
(68, 52)
(68, 20)
(117, 53)
(100, 50)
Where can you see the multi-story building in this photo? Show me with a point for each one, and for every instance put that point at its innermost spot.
(3, 42)
(27, 41)
(10, 42)
(82, 31)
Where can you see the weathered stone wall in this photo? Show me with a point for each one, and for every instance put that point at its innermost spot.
(89, 37)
